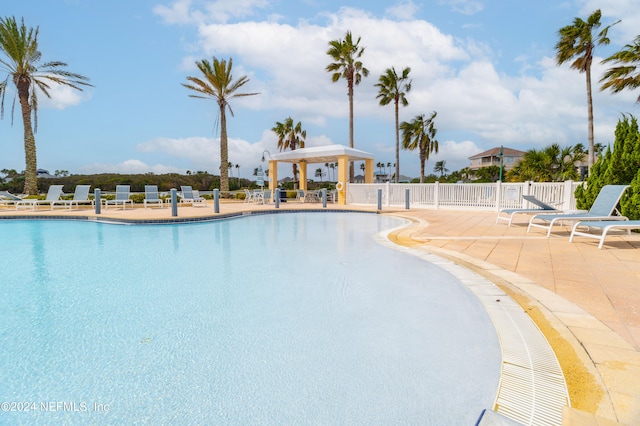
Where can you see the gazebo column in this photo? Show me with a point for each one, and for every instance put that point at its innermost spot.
(343, 178)
(302, 166)
(273, 174)
(368, 171)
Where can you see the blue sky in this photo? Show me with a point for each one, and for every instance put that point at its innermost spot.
(486, 66)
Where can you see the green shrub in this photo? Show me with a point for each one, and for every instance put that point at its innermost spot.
(620, 166)
(137, 198)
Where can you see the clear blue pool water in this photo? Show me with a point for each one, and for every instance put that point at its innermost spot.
(284, 319)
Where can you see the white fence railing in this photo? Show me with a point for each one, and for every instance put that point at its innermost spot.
(488, 196)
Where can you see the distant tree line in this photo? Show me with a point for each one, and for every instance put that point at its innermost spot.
(203, 181)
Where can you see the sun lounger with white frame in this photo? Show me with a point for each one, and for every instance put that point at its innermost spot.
(188, 196)
(603, 208)
(508, 214)
(54, 193)
(122, 197)
(604, 226)
(7, 199)
(80, 196)
(151, 196)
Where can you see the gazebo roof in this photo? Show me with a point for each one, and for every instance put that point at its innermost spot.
(321, 154)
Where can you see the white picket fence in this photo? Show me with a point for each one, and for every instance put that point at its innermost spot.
(486, 196)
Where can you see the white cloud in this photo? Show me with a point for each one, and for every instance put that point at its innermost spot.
(403, 10)
(612, 11)
(455, 154)
(177, 13)
(200, 153)
(477, 105)
(188, 11)
(128, 167)
(62, 97)
(465, 7)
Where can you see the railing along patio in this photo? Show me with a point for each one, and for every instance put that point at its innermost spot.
(485, 196)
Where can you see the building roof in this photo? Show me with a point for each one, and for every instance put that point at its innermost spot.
(493, 152)
(321, 154)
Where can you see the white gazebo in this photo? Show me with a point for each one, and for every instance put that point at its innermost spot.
(323, 154)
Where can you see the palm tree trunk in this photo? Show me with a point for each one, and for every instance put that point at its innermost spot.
(591, 158)
(397, 145)
(224, 152)
(30, 174)
(351, 141)
(422, 161)
(295, 176)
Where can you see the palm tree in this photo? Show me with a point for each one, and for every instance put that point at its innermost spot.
(626, 75)
(551, 164)
(319, 173)
(440, 167)
(420, 134)
(393, 88)
(346, 56)
(577, 42)
(238, 174)
(290, 136)
(21, 60)
(218, 84)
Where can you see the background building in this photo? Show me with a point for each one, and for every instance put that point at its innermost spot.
(510, 157)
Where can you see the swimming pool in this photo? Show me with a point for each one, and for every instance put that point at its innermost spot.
(270, 319)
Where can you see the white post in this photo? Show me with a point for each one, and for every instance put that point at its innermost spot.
(436, 195)
(568, 195)
(388, 192)
(498, 194)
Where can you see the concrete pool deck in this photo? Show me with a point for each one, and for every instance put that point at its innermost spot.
(586, 301)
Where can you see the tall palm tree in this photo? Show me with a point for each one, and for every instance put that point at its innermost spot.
(626, 75)
(393, 88)
(577, 42)
(420, 134)
(22, 61)
(290, 136)
(218, 84)
(346, 56)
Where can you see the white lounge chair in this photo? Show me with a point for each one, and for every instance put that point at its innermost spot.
(54, 193)
(151, 196)
(262, 197)
(7, 199)
(603, 208)
(189, 197)
(248, 196)
(604, 226)
(267, 196)
(122, 197)
(80, 196)
(508, 214)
